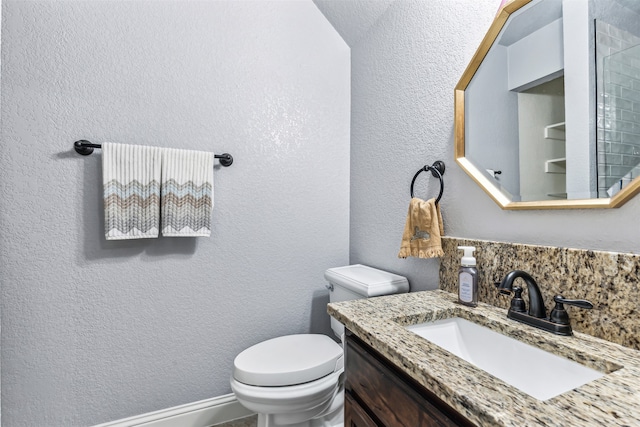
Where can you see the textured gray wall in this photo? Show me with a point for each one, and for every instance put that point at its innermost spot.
(94, 330)
(403, 74)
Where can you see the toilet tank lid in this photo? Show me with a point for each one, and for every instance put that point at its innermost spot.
(367, 281)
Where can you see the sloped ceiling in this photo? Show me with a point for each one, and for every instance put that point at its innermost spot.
(352, 18)
(633, 5)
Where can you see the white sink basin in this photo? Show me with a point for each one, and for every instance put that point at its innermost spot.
(538, 373)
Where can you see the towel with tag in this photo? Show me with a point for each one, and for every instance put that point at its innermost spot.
(423, 230)
(186, 193)
(131, 183)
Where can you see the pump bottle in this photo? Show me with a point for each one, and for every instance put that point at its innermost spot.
(468, 278)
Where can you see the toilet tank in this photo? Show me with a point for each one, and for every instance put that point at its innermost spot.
(360, 281)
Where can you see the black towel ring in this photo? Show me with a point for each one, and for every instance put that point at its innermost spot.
(437, 170)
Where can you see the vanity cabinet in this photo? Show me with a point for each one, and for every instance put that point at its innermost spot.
(377, 394)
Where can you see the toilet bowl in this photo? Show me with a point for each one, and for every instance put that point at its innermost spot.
(290, 380)
(297, 380)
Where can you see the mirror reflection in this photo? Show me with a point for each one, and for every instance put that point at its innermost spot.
(553, 110)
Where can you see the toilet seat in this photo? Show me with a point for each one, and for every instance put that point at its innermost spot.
(288, 360)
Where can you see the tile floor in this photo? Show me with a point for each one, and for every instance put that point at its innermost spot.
(251, 421)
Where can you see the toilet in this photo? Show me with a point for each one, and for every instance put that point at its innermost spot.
(297, 380)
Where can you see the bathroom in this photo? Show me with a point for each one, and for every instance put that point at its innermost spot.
(326, 128)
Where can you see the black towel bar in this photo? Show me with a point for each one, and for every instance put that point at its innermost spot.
(437, 170)
(85, 148)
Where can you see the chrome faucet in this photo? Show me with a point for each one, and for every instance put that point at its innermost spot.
(558, 321)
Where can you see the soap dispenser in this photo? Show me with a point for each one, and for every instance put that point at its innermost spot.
(468, 278)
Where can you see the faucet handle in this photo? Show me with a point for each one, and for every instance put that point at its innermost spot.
(559, 314)
(582, 303)
(517, 303)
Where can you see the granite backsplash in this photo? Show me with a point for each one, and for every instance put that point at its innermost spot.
(609, 280)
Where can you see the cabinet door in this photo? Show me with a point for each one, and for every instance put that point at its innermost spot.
(389, 395)
(354, 415)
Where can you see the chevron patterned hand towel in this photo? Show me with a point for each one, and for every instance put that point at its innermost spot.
(131, 180)
(186, 193)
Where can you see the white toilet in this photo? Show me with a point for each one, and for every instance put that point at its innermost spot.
(296, 380)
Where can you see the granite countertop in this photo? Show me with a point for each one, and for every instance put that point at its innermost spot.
(613, 400)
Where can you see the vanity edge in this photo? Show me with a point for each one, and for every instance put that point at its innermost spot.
(483, 399)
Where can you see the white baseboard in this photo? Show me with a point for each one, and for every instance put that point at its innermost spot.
(204, 413)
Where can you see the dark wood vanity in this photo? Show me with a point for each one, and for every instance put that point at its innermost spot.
(378, 394)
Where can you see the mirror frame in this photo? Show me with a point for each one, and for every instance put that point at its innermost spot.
(485, 183)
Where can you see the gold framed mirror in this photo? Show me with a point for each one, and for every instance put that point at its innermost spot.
(538, 108)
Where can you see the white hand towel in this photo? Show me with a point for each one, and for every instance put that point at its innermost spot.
(186, 193)
(131, 181)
